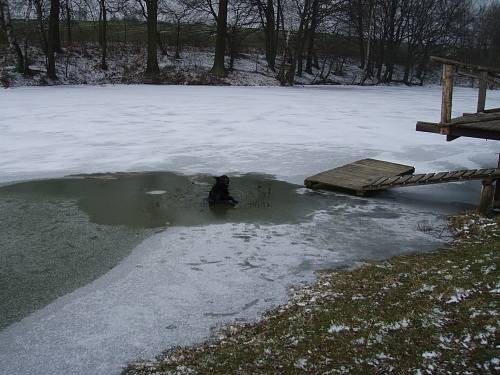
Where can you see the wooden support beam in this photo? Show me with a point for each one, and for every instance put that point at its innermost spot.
(447, 98)
(486, 199)
(459, 64)
(496, 196)
(428, 127)
(481, 98)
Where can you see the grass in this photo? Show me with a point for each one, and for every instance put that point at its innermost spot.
(416, 314)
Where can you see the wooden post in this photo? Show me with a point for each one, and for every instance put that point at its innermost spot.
(496, 197)
(483, 85)
(447, 99)
(486, 200)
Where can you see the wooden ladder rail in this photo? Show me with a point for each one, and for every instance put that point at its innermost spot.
(484, 74)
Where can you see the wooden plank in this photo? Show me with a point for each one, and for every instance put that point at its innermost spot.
(476, 117)
(459, 64)
(430, 178)
(415, 178)
(468, 174)
(428, 127)
(492, 110)
(354, 176)
(426, 177)
(390, 180)
(438, 176)
(379, 181)
(447, 94)
(491, 125)
(403, 179)
(386, 166)
(485, 126)
(458, 175)
(475, 132)
(481, 98)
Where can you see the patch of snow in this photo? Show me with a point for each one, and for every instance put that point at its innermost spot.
(336, 328)
(301, 363)
(459, 295)
(430, 355)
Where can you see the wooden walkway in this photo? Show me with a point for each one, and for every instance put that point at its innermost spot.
(433, 178)
(369, 175)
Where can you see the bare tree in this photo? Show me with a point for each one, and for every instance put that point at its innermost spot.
(150, 12)
(180, 11)
(22, 65)
(269, 14)
(53, 42)
(218, 68)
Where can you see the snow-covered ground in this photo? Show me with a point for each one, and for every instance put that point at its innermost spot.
(80, 64)
(181, 282)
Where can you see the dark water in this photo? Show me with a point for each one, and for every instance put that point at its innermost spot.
(58, 235)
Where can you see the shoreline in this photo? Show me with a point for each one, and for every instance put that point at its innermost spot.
(362, 319)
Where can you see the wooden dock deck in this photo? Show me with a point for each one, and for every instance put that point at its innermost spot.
(353, 177)
(370, 175)
(478, 125)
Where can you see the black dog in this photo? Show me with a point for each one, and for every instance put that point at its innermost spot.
(220, 192)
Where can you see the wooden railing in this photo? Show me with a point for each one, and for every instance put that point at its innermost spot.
(485, 74)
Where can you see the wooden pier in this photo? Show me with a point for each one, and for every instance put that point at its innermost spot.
(484, 124)
(369, 175)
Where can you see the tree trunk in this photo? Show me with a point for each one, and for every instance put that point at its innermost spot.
(360, 29)
(54, 33)
(53, 39)
(270, 38)
(220, 42)
(178, 41)
(311, 34)
(67, 9)
(298, 50)
(5, 23)
(104, 35)
(152, 68)
(367, 71)
(41, 24)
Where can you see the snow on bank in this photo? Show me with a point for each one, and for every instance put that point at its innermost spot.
(289, 132)
(126, 63)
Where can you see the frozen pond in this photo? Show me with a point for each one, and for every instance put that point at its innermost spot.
(98, 270)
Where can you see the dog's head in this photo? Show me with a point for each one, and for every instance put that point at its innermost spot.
(222, 180)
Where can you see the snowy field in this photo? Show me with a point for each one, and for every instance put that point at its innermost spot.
(180, 283)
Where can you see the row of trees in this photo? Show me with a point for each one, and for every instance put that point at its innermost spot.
(297, 35)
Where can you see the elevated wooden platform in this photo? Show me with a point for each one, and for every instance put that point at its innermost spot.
(369, 175)
(484, 125)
